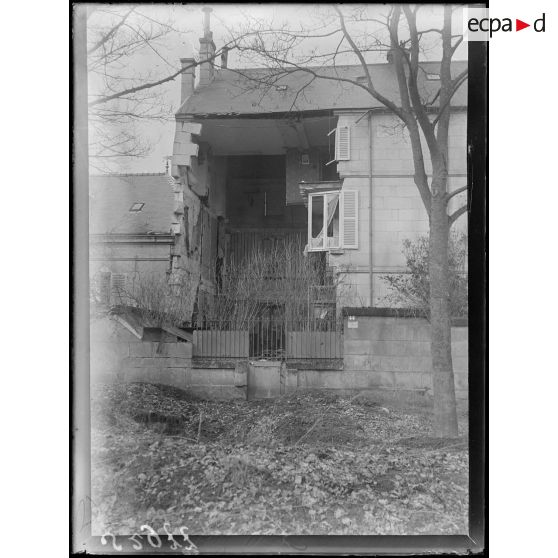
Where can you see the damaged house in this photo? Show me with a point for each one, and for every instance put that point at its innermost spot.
(286, 206)
(321, 167)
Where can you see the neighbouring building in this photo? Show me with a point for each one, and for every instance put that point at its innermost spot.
(133, 222)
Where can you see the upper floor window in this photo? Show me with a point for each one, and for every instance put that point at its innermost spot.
(332, 220)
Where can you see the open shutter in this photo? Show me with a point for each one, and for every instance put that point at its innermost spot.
(349, 199)
(343, 143)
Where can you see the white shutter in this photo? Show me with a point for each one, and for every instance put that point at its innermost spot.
(349, 208)
(343, 143)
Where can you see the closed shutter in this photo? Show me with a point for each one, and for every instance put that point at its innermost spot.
(349, 199)
(104, 287)
(343, 143)
(118, 281)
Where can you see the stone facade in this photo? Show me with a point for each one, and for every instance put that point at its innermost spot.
(390, 209)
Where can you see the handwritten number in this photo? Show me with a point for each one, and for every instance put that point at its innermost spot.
(152, 535)
(184, 533)
(114, 545)
(137, 544)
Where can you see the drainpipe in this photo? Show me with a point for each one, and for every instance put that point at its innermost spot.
(370, 216)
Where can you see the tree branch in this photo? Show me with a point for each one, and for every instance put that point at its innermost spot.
(420, 112)
(389, 104)
(450, 195)
(110, 33)
(456, 214)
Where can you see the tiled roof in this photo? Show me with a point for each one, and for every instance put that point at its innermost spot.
(112, 196)
(235, 91)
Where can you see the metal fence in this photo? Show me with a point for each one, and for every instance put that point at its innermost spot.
(272, 339)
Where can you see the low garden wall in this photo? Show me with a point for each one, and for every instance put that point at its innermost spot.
(381, 352)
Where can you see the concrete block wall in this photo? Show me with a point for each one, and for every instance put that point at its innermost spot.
(116, 355)
(381, 353)
(388, 352)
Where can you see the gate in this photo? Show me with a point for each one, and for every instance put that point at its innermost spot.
(271, 338)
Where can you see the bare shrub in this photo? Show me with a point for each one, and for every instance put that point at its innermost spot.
(411, 290)
(281, 278)
(160, 302)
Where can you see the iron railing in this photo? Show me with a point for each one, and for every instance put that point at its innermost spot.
(271, 339)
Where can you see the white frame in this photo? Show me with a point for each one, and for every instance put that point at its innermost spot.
(324, 246)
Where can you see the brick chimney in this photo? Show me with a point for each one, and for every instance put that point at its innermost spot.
(187, 78)
(207, 49)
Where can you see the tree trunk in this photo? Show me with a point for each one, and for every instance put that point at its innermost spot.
(445, 414)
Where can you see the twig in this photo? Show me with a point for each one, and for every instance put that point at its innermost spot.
(321, 418)
(199, 427)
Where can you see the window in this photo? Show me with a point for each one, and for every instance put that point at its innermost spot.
(432, 77)
(136, 207)
(332, 220)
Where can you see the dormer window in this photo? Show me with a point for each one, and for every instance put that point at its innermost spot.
(432, 77)
(136, 207)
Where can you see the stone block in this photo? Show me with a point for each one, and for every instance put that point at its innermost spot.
(241, 374)
(461, 381)
(180, 350)
(409, 380)
(264, 380)
(191, 128)
(460, 364)
(212, 377)
(145, 349)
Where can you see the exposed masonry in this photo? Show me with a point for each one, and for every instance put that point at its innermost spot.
(186, 252)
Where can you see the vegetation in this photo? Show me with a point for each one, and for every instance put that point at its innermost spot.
(411, 290)
(278, 278)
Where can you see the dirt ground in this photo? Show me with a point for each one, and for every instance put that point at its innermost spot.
(306, 463)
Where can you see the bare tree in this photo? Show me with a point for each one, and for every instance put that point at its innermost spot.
(355, 34)
(124, 90)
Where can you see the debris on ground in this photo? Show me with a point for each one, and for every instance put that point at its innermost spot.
(304, 463)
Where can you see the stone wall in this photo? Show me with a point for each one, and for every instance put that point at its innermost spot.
(117, 355)
(390, 352)
(380, 353)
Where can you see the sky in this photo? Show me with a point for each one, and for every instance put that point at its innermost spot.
(185, 27)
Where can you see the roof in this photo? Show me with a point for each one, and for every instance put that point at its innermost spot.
(237, 91)
(112, 196)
